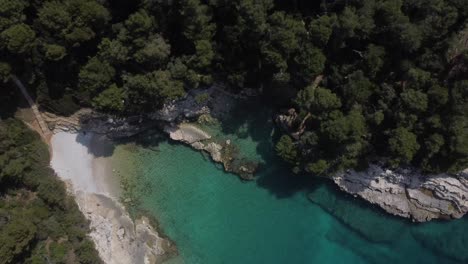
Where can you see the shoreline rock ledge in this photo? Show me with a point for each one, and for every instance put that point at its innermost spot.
(408, 193)
(219, 152)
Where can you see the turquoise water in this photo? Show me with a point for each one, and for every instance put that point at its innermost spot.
(213, 217)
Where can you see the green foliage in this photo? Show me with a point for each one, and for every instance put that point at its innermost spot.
(113, 51)
(324, 100)
(403, 145)
(438, 95)
(16, 237)
(285, 149)
(11, 12)
(196, 21)
(86, 254)
(374, 58)
(152, 89)
(318, 168)
(95, 76)
(349, 22)
(204, 55)
(5, 70)
(34, 206)
(54, 16)
(358, 88)
(336, 128)
(156, 51)
(385, 65)
(202, 98)
(18, 38)
(318, 100)
(139, 23)
(321, 29)
(74, 21)
(414, 100)
(55, 52)
(180, 71)
(112, 99)
(310, 62)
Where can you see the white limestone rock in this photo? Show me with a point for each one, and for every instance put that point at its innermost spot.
(408, 193)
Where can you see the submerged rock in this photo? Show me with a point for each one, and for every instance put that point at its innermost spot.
(358, 216)
(448, 241)
(408, 193)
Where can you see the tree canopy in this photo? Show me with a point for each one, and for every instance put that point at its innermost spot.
(386, 66)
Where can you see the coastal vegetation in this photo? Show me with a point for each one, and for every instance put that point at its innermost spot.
(393, 86)
(392, 73)
(359, 81)
(39, 222)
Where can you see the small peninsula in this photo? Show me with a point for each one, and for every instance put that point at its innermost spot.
(244, 131)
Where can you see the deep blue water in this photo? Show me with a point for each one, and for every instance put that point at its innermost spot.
(213, 217)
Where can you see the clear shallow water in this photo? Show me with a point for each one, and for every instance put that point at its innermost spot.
(215, 218)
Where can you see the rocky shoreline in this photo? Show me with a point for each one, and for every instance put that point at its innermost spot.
(118, 237)
(177, 119)
(405, 193)
(220, 152)
(409, 193)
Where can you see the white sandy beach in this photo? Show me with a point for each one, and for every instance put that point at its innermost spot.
(73, 160)
(83, 161)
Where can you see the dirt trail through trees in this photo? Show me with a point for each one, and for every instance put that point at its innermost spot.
(45, 132)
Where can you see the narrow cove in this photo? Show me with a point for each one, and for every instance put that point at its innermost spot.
(214, 217)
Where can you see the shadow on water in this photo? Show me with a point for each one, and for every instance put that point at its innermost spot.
(394, 238)
(281, 182)
(247, 120)
(149, 139)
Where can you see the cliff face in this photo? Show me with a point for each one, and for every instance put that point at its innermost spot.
(408, 193)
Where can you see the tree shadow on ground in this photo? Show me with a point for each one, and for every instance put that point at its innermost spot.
(97, 145)
(101, 146)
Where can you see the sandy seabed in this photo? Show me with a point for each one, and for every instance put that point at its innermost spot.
(84, 163)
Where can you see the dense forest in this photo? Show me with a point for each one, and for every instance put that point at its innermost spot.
(39, 222)
(395, 77)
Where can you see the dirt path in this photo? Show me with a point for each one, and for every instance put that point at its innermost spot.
(45, 132)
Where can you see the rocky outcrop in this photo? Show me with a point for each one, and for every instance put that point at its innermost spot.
(221, 152)
(173, 118)
(91, 121)
(184, 109)
(186, 133)
(287, 120)
(408, 193)
(196, 103)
